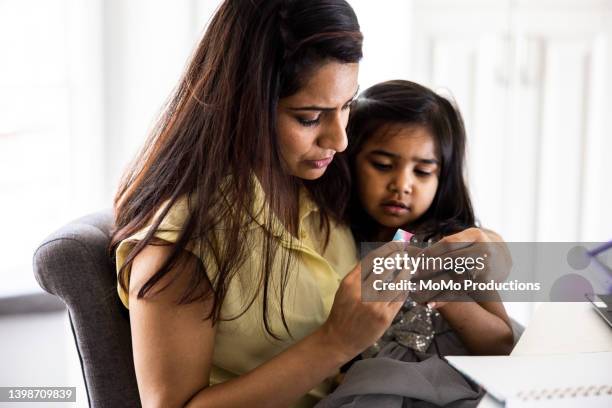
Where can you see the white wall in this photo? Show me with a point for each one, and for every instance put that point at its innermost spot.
(147, 45)
(387, 46)
(536, 104)
(51, 125)
(40, 351)
(81, 83)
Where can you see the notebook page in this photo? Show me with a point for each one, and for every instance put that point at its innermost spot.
(581, 402)
(505, 377)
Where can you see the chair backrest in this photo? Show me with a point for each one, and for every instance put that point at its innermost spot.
(74, 265)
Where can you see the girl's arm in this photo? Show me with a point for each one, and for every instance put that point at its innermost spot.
(484, 327)
(173, 346)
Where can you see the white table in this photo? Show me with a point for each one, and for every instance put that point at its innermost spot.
(564, 328)
(561, 328)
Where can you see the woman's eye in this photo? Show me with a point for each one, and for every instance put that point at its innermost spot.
(348, 105)
(309, 122)
(381, 166)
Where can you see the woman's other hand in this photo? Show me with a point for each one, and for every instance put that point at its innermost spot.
(354, 324)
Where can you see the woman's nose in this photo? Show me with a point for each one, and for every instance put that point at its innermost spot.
(334, 138)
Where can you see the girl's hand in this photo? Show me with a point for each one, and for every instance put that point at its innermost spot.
(354, 325)
(483, 241)
(471, 243)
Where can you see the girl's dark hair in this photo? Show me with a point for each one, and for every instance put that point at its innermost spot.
(407, 103)
(221, 124)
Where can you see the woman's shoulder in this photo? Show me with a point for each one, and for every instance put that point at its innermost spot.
(177, 212)
(173, 221)
(169, 230)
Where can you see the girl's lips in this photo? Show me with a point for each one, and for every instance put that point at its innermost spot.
(392, 209)
(319, 164)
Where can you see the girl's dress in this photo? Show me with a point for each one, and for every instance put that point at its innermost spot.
(406, 368)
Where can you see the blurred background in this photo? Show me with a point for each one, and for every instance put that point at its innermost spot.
(82, 82)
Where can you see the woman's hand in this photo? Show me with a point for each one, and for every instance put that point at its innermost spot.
(353, 324)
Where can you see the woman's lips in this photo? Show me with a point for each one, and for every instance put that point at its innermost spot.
(319, 164)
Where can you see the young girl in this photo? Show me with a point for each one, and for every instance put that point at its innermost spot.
(406, 152)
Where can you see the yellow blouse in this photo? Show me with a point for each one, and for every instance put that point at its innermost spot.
(315, 273)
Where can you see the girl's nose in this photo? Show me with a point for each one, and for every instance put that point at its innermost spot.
(402, 183)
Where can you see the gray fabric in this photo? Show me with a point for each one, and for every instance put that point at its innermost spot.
(399, 377)
(73, 264)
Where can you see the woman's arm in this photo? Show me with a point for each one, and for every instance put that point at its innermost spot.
(173, 346)
(280, 381)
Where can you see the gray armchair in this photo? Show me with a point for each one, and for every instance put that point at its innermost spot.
(73, 264)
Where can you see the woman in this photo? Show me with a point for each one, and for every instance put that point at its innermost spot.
(239, 277)
(248, 136)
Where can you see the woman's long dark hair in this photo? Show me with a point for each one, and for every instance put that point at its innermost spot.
(220, 123)
(407, 103)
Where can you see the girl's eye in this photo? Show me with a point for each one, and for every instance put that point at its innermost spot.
(381, 166)
(422, 173)
(309, 122)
